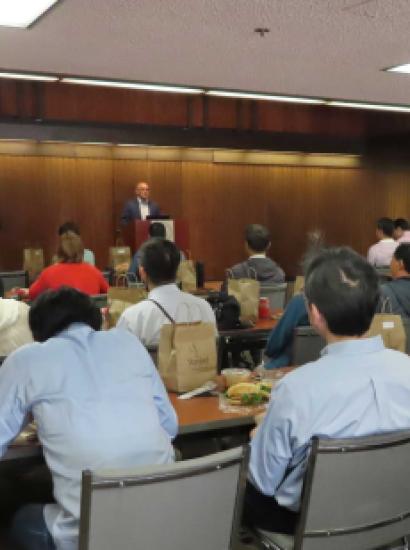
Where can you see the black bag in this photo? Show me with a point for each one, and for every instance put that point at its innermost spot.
(227, 310)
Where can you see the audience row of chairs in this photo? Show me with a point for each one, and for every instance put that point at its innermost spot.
(355, 496)
(307, 344)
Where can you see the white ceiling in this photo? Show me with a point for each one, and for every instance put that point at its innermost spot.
(328, 48)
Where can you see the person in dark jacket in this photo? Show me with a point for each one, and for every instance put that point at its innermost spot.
(396, 293)
(140, 206)
(258, 265)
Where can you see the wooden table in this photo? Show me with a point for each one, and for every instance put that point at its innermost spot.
(202, 414)
(261, 328)
(254, 337)
(195, 416)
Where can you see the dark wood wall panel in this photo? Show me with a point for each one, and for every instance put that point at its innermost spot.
(67, 102)
(94, 104)
(219, 200)
(39, 193)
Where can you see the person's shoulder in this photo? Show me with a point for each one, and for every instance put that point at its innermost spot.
(27, 356)
(197, 300)
(134, 310)
(119, 336)
(375, 246)
(239, 269)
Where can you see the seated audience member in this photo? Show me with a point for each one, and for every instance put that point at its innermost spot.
(14, 329)
(155, 230)
(159, 264)
(397, 291)
(98, 403)
(278, 347)
(70, 271)
(401, 230)
(381, 253)
(257, 243)
(357, 388)
(88, 256)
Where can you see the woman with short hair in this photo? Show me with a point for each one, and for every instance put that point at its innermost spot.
(70, 271)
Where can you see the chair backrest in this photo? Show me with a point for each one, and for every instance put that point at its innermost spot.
(306, 345)
(276, 295)
(356, 493)
(384, 274)
(100, 300)
(11, 279)
(108, 275)
(191, 504)
(406, 325)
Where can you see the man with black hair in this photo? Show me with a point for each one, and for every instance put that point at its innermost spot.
(357, 388)
(381, 253)
(160, 259)
(257, 243)
(98, 403)
(397, 291)
(88, 256)
(155, 230)
(401, 230)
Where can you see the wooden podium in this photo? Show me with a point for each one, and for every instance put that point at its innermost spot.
(136, 232)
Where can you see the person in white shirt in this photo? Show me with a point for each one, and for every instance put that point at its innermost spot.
(166, 303)
(381, 253)
(14, 328)
(401, 230)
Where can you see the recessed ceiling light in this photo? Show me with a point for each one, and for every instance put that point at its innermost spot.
(400, 69)
(132, 85)
(28, 76)
(22, 13)
(265, 97)
(370, 106)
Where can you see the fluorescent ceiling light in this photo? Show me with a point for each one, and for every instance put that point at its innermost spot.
(400, 69)
(132, 85)
(28, 76)
(265, 97)
(22, 13)
(370, 106)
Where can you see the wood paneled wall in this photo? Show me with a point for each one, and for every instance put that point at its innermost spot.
(219, 200)
(22, 100)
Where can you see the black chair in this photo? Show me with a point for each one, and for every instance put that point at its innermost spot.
(384, 274)
(108, 275)
(355, 495)
(306, 345)
(100, 300)
(11, 279)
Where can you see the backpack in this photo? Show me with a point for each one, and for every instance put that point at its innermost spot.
(227, 310)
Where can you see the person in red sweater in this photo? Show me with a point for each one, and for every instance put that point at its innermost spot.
(70, 271)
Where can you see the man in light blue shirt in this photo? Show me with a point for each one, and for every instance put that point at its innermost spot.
(98, 402)
(358, 387)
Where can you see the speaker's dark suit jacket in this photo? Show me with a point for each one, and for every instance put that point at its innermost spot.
(132, 211)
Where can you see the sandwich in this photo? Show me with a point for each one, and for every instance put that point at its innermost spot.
(247, 393)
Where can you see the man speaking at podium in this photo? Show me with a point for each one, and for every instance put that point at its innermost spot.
(139, 207)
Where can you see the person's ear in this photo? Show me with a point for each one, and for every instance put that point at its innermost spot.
(316, 319)
(142, 274)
